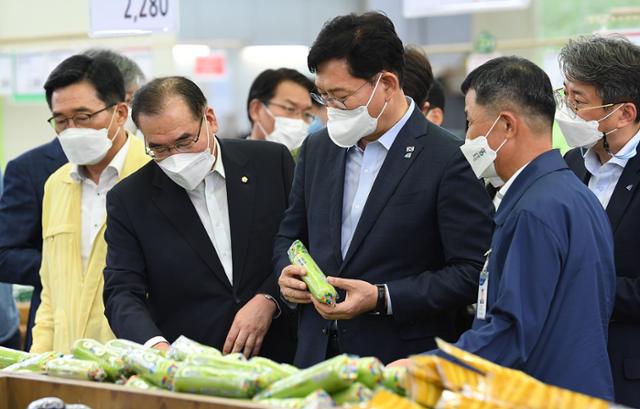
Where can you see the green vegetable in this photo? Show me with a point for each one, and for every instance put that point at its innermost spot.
(280, 369)
(11, 356)
(91, 350)
(290, 369)
(315, 279)
(138, 383)
(183, 347)
(122, 347)
(369, 371)
(215, 382)
(152, 367)
(332, 376)
(75, 369)
(393, 378)
(236, 356)
(356, 393)
(317, 399)
(264, 375)
(34, 363)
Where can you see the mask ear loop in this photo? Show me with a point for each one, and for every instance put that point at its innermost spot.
(491, 129)
(117, 132)
(270, 114)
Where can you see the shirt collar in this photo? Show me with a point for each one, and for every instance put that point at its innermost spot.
(79, 173)
(503, 190)
(592, 161)
(388, 137)
(218, 166)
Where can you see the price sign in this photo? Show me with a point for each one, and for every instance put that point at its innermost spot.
(126, 17)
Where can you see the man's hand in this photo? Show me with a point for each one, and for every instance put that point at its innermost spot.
(250, 326)
(292, 288)
(361, 298)
(162, 346)
(400, 362)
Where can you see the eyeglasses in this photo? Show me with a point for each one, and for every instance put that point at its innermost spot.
(562, 101)
(59, 123)
(159, 152)
(290, 111)
(333, 101)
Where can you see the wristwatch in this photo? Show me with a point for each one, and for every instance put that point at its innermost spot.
(278, 310)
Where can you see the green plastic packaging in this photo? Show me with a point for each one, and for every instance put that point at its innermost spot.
(332, 376)
(76, 369)
(356, 393)
(183, 347)
(34, 363)
(214, 382)
(369, 371)
(264, 375)
(137, 382)
(109, 360)
(393, 378)
(282, 370)
(318, 399)
(122, 347)
(152, 367)
(315, 279)
(10, 356)
(236, 356)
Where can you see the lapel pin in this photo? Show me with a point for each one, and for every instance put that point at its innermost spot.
(411, 148)
(629, 187)
(408, 155)
(244, 179)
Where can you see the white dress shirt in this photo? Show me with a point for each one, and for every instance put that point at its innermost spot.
(94, 199)
(604, 177)
(503, 190)
(361, 170)
(210, 201)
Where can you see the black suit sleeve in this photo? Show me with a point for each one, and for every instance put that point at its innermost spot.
(627, 305)
(125, 281)
(465, 222)
(270, 286)
(20, 226)
(294, 224)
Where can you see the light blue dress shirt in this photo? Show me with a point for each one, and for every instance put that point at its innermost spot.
(361, 169)
(9, 320)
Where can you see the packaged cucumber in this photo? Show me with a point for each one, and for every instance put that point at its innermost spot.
(122, 347)
(214, 382)
(315, 279)
(264, 375)
(356, 393)
(152, 367)
(290, 369)
(137, 382)
(369, 371)
(332, 376)
(280, 369)
(10, 356)
(91, 350)
(183, 347)
(236, 356)
(394, 379)
(75, 369)
(316, 400)
(35, 363)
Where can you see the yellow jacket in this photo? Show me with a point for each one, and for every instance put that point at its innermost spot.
(72, 306)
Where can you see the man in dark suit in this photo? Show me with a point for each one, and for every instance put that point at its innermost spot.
(386, 204)
(190, 235)
(21, 219)
(606, 159)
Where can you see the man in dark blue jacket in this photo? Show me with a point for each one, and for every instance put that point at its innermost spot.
(21, 219)
(386, 204)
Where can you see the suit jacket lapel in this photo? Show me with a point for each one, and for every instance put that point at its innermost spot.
(175, 204)
(336, 176)
(240, 181)
(623, 192)
(391, 173)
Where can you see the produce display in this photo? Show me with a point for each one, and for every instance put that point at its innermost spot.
(315, 279)
(430, 381)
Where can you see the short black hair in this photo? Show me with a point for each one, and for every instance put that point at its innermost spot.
(513, 83)
(264, 86)
(99, 72)
(610, 63)
(418, 77)
(436, 96)
(131, 72)
(368, 42)
(151, 98)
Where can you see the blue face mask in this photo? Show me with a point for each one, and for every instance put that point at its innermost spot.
(316, 125)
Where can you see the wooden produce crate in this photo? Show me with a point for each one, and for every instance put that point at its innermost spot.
(18, 390)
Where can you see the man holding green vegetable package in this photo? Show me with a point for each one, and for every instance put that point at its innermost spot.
(385, 204)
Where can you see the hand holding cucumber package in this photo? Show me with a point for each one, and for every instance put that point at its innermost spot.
(315, 279)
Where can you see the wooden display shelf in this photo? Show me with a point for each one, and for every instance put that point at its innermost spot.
(18, 390)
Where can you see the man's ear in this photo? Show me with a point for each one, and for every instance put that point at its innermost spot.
(425, 108)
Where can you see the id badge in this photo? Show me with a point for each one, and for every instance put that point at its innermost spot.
(483, 289)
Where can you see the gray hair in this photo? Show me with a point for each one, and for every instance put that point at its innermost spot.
(131, 72)
(611, 64)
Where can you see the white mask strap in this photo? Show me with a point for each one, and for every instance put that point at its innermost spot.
(374, 90)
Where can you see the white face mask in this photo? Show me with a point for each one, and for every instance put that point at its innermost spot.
(580, 133)
(86, 146)
(346, 127)
(480, 155)
(188, 170)
(287, 131)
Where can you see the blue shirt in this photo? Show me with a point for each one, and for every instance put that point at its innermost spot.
(9, 320)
